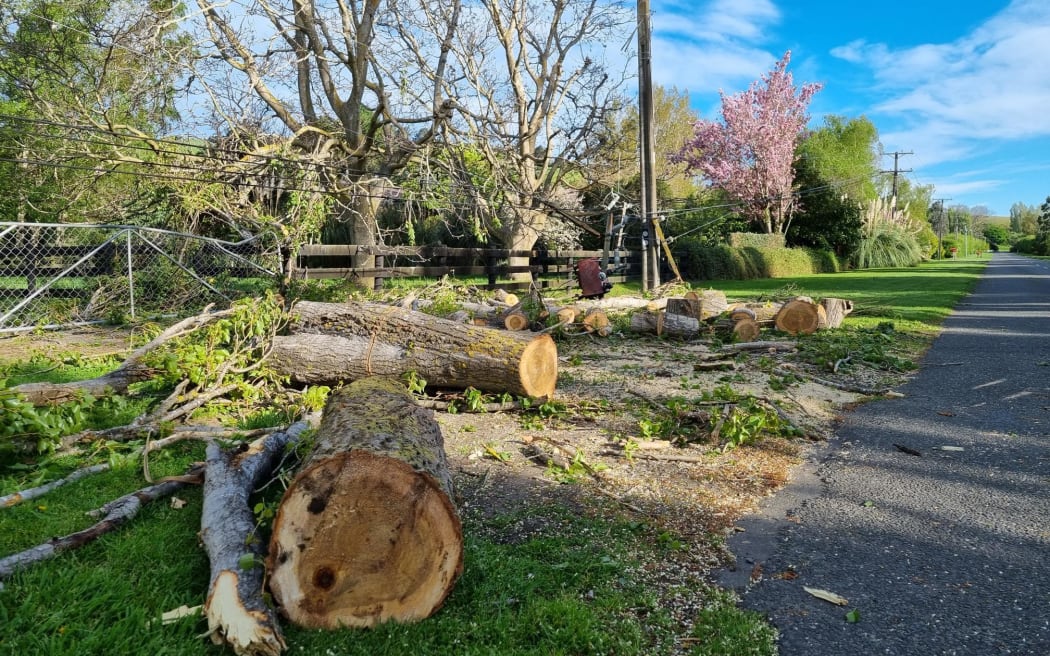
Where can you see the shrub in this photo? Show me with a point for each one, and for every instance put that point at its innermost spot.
(1025, 245)
(699, 262)
(888, 245)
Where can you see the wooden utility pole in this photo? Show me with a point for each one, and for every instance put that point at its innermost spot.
(897, 171)
(939, 202)
(647, 153)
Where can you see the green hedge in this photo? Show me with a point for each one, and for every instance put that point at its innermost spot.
(698, 262)
(756, 240)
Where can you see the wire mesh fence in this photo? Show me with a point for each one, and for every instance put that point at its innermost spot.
(54, 275)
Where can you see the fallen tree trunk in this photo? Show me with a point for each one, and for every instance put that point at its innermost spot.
(367, 532)
(237, 614)
(345, 342)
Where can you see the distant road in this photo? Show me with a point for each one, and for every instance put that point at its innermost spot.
(946, 553)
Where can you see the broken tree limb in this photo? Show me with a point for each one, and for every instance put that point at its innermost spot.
(132, 370)
(16, 498)
(345, 342)
(367, 532)
(756, 346)
(237, 614)
(114, 515)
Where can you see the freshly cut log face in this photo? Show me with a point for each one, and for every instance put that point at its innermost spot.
(798, 316)
(367, 533)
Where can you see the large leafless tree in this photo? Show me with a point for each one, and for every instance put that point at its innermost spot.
(326, 74)
(533, 82)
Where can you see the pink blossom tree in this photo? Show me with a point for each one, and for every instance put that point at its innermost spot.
(749, 154)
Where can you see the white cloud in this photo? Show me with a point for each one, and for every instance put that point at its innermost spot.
(989, 84)
(710, 46)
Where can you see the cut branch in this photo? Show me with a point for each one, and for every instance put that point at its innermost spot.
(236, 612)
(114, 515)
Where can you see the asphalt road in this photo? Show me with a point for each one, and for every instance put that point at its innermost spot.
(945, 553)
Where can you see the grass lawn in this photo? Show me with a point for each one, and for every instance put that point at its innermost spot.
(920, 298)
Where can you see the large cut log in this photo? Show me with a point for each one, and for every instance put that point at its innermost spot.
(367, 532)
(344, 342)
(237, 614)
(798, 316)
(760, 311)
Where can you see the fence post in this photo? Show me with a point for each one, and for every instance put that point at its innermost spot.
(491, 261)
(131, 276)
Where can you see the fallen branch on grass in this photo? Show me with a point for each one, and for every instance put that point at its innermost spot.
(16, 498)
(132, 370)
(114, 515)
(237, 614)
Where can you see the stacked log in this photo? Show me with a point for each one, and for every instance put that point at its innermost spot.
(367, 532)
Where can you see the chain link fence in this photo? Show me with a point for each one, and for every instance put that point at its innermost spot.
(55, 275)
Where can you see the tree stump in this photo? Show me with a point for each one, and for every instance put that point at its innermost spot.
(836, 310)
(333, 342)
(367, 532)
(798, 316)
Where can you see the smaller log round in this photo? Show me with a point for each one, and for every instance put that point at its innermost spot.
(567, 314)
(672, 325)
(798, 316)
(516, 321)
(596, 321)
(712, 303)
(742, 313)
(745, 329)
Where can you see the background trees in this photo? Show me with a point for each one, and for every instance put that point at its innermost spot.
(750, 153)
(83, 85)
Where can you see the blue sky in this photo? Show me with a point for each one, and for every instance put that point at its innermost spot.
(965, 85)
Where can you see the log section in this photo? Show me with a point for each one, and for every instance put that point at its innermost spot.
(367, 532)
(344, 342)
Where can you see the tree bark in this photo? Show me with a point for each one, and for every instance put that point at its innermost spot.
(236, 612)
(659, 323)
(835, 310)
(347, 341)
(367, 532)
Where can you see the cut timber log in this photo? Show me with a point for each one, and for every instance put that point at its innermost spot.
(367, 532)
(798, 316)
(335, 342)
(516, 321)
(596, 321)
(237, 614)
(659, 323)
(761, 311)
(746, 329)
(503, 296)
(835, 310)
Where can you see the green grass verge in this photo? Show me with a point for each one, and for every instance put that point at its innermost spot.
(569, 584)
(920, 298)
